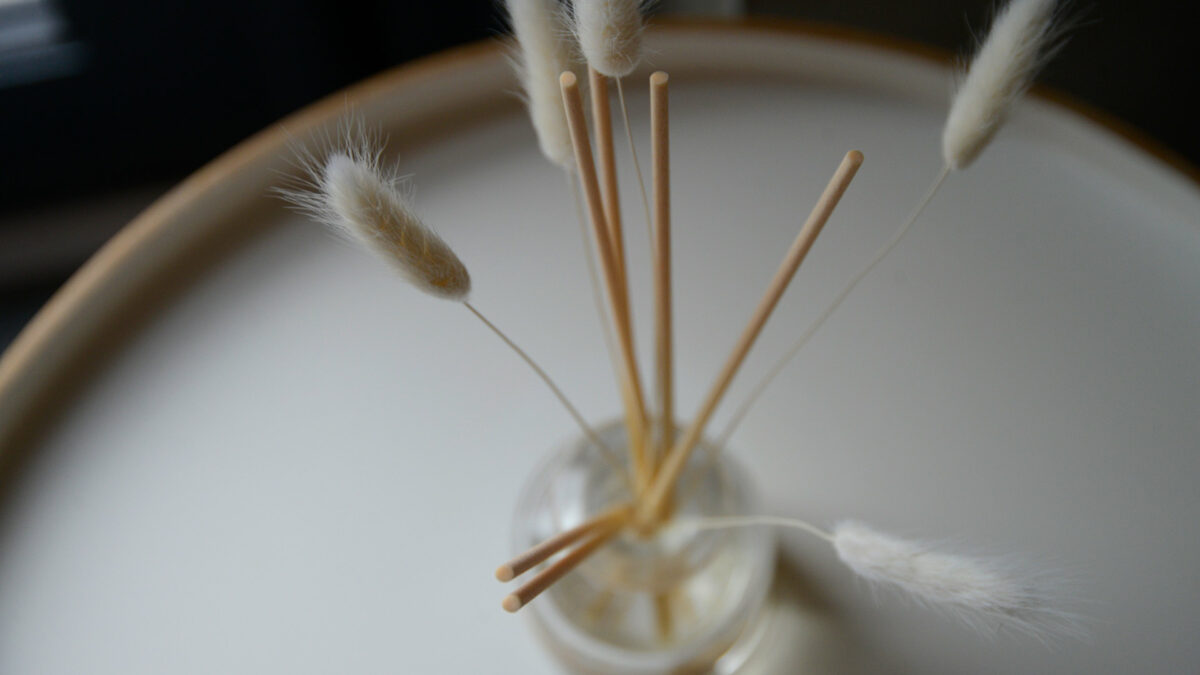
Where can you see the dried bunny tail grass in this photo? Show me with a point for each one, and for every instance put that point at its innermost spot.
(610, 34)
(344, 186)
(372, 207)
(302, 187)
(544, 52)
(1020, 40)
(986, 594)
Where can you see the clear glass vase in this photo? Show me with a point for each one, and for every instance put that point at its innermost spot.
(680, 600)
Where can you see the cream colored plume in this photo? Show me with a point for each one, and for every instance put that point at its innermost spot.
(986, 594)
(544, 53)
(347, 189)
(1001, 71)
(983, 593)
(610, 34)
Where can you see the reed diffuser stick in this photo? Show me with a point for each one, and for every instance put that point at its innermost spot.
(602, 123)
(635, 406)
(547, 577)
(544, 52)
(761, 387)
(543, 551)
(651, 508)
(610, 38)
(661, 161)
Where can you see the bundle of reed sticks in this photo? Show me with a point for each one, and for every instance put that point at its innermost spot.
(657, 454)
(348, 189)
(1023, 35)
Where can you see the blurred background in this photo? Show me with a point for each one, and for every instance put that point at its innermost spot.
(104, 106)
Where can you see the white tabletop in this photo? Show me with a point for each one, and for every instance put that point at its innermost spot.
(243, 486)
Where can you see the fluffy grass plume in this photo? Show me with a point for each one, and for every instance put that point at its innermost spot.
(1018, 43)
(544, 52)
(984, 593)
(346, 187)
(610, 34)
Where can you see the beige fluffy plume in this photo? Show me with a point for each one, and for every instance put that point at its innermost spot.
(1016, 46)
(349, 191)
(987, 594)
(610, 34)
(544, 53)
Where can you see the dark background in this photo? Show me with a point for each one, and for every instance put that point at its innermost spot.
(127, 98)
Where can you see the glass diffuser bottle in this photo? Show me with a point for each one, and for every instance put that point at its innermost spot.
(677, 600)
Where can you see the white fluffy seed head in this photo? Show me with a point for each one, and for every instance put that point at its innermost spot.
(349, 191)
(985, 594)
(1020, 40)
(610, 34)
(544, 53)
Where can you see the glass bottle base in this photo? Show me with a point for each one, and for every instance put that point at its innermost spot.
(680, 600)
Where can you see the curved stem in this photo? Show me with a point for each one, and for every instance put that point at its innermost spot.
(610, 344)
(812, 329)
(723, 522)
(562, 398)
(637, 167)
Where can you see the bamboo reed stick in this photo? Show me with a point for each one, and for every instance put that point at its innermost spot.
(543, 551)
(732, 424)
(663, 329)
(631, 389)
(605, 157)
(609, 192)
(547, 577)
(651, 507)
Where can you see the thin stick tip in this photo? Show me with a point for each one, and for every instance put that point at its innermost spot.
(505, 573)
(568, 80)
(659, 78)
(854, 157)
(511, 603)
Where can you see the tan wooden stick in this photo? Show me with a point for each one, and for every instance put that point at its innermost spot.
(527, 560)
(650, 509)
(609, 192)
(660, 139)
(602, 123)
(631, 389)
(547, 577)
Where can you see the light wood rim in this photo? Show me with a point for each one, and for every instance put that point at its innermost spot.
(24, 380)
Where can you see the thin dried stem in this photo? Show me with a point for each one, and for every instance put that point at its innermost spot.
(662, 615)
(637, 166)
(593, 276)
(609, 455)
(812, 329)
(724, 522)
